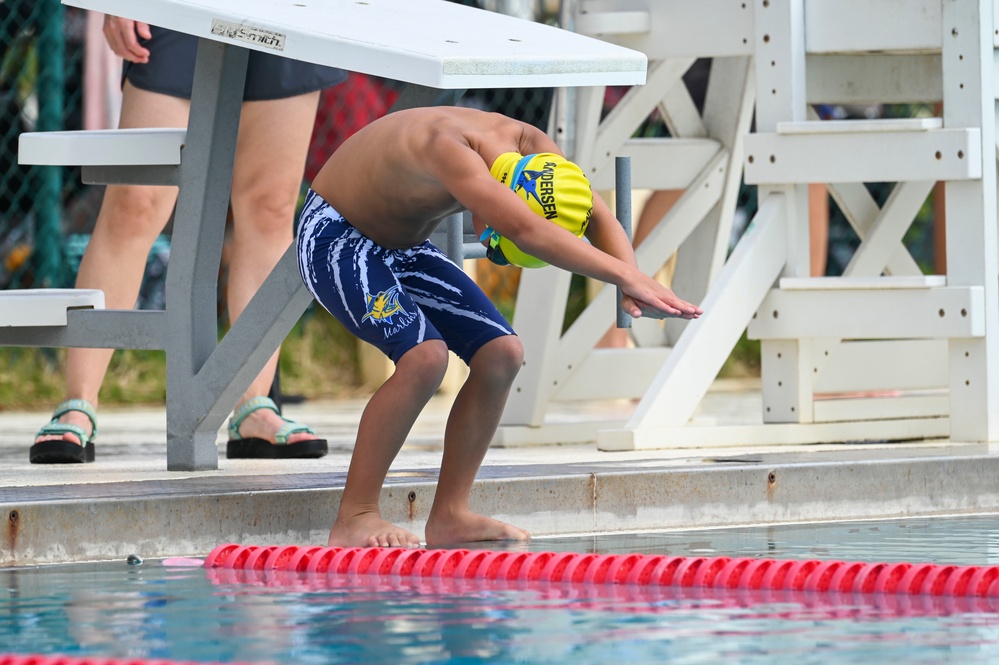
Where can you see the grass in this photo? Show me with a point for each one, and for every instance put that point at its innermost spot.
(30, 378)
(318, 361)
(744, 361)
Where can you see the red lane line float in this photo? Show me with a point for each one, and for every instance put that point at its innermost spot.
(510, 568)
(255, 559)
(300, 560)
(635, 569)
(319, 561)
(728, 577)
(21, 659)
(382, 565)
(619, 569)
(556, 566)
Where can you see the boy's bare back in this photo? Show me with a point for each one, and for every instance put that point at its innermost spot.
(393, 180)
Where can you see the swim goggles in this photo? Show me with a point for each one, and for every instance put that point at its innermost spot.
(493, 251)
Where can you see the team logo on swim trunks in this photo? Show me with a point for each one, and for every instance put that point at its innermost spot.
(383, 306)
(540, 185)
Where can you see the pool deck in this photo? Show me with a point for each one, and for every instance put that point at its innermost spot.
(126, 502)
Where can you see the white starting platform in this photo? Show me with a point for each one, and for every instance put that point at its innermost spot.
(438, 48)
(909, 355)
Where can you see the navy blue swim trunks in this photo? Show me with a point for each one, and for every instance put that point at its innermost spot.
(170, 70)
(393, 299)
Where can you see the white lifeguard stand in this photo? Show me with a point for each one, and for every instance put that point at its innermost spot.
(883, 328)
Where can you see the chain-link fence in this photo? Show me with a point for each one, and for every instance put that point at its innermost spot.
(40, 89)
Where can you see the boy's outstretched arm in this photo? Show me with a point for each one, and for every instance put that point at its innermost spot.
(610, 258)
(607, 234)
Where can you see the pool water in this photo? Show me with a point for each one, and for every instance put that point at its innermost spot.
(153, 611)
(969, 540)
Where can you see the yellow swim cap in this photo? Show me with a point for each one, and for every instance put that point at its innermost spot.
(553, 187)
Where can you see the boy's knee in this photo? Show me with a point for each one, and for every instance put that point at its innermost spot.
(427, 361)
(501, 358)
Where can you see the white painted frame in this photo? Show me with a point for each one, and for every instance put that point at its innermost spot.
(804, 52)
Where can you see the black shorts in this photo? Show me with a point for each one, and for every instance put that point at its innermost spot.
(170, 70)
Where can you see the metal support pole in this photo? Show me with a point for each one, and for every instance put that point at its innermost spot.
(455, 246)
(51, 49)
(562, 122)
(622, 186)
(192, 280)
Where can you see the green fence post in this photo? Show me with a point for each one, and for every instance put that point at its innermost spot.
(51, 50)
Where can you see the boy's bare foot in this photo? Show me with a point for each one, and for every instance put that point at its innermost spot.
(469, 527)
(369, 530)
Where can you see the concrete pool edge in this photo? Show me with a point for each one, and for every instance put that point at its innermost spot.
(161, 518)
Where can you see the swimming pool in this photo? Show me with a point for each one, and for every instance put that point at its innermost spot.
(153, 611)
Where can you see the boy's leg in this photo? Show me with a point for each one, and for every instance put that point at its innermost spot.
(351, 277)
(130, 219)
(267, 177)
(385, 424)
(470, 429)
(474, 329)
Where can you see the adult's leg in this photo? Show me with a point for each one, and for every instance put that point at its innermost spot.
(130, 219)
(267, 177)
(384, 426)
(818, 228)
(471, 425)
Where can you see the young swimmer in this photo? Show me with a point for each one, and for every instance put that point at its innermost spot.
(364, 253)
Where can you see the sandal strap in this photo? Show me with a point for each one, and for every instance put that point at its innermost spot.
(249, 406)
(82, 406)
(290, 427)
(57, 428)
(281, 436)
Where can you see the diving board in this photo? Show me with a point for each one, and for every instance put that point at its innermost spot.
(433, 43)
(438, 47)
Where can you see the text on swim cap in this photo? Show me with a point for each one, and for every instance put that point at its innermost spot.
(546, 195)
(541, 185)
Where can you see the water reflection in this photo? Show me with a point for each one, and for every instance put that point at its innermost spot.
(151, 611)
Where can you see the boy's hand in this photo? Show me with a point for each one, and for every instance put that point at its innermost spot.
(653, 313)
(665, 307)
(644, 296)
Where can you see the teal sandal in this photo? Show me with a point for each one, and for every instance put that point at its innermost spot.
(254, 448)
(62, 451)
